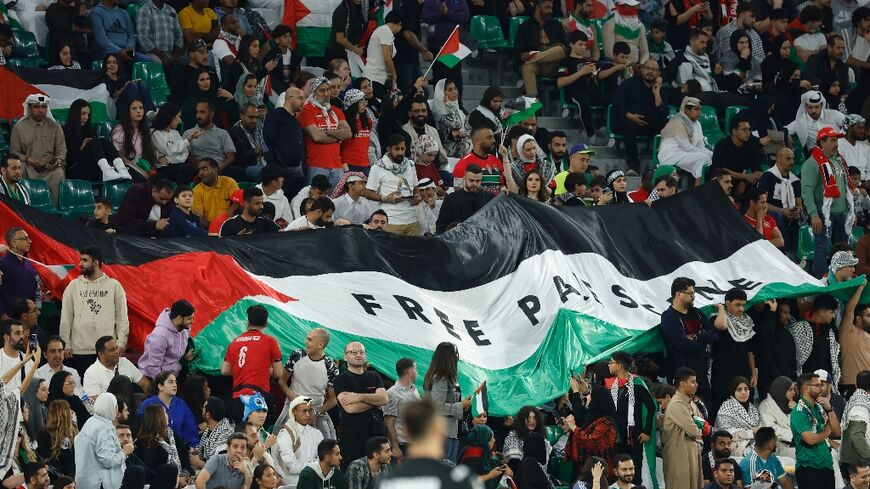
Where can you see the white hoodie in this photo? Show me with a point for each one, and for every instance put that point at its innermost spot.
(279, 200)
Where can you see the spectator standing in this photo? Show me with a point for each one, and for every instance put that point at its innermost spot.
(94, 305)
(854, 146)
(114, 33)
(450, 119)
(11, 334)
(39, 139)
(856, 418)
(683, 141)
(159, 32)
(380, 67)
(100, 459)
(298, 439)
(68, 25)
(253, 359)
(492, 168)
(827, 196)
(687, 331)
(283, 136)
(812, 423)
(409, 47)
(198, 21)
(625, 26)
(349, 22)
(418, 115)
(17, 273)
(440, 386)
(166, 345)
(682, 435)
(540, 46)
(359, 392)
(355, 150)
(11, 170)
(401, 394)
(393, 182)
(640, 109)
(108, 365)
(325, 127)
(445, 15)
(783, 189)
(578, 76)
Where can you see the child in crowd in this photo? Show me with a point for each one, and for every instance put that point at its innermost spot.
(182, 222)
(659, 48)
(103, 216)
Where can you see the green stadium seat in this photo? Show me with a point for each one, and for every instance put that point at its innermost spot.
(656, 142)
(104, 128)
(486, 30)
(152, 74)
(4, 146)
(133, 12)
(607, 124)
(513, 26)
(806, 243)
(26, 50)
(97, 65)
(76, 199)
(115, 191)
(709, 120)
(40, 197)
(730, 112)
(799, 155)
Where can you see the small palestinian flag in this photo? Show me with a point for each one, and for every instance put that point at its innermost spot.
(527, 108)
(453, 51)
(62, 86)
(480, 401)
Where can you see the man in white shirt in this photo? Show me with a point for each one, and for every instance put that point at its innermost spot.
(11, 332)
(349, 198)
(854, 147)
(226, 47)
(393, 182)
(297, 441)
(54, 363)
(272, 178)
(108, 365)
(379, 55)
(813, 40)
(429, 208)
(318, 217)
(812, 116)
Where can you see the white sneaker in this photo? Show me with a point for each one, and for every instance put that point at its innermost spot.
(122, 170)
(109, 173)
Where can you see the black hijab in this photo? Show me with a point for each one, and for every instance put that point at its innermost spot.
(55, 391)
(600, 406)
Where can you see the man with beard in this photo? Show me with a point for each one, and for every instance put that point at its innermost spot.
(723, 475)
(741, 155)
(282, 134)
(209, 141)
(227, 469)
(94, 306)
(558, 147)
(166, 345)
(624, 472)
(10, 179)
(813, 421)
(416, 127)
(640, 108)
(492, 170)
(360, 393)
(683, 141)
(249, 220)
(393, 182)
(324, 127)
(682, 433)
(463, 203)
(17, 275)
(811, 117)
(581, 20)
(719, 448)
(635, 415)
(856, 417)
(211, 196)
(687, 332)
(38, 139)
(318, 216)
(854, 146)
(13, 354)
(773, 346)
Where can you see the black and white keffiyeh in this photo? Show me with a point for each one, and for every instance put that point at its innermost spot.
(802, 332)
(734, 417)
(10, 420)
(741, 328)
(858, 399)
(614, 393)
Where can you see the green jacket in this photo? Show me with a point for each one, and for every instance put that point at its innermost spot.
(812, 188)
(312, 478)
(854, 446)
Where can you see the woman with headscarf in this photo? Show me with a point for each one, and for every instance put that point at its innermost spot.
(592, 429)
(738, 416)
(55, 441)
(617, 184)
(204, 86)
(364, 84)
(36, 397)
(99, 456)
(355, 151)
(62, 386)
(63, 59)
(249, 90)
(739, 67)
(831, 89)
(424, 152)
(247, 62)
(450, 120)
(488, 113)
(761, 119)
(527, 159)
(532, 472)
(477, 456)
(775, 62)
(774, 411)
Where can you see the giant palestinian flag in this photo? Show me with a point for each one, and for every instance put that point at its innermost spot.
(528, 292)
(63, 86)
(312, 24)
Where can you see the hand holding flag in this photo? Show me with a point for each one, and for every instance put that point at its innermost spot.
(480, 401)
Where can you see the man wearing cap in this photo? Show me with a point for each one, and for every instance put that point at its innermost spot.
(683, 141)
(324, 127)
(854, 146)
(811, 117)
(625, 26)
(39, 141)
(297, 440)
(827, 391)
(11, 169)
(827, 196)
(180, 75)
(288, 61)
(640, 108)
(578, 162)
(349, 198)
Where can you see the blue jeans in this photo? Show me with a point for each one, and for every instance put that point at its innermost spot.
(823, 243)
(333, 174)
(451, 449)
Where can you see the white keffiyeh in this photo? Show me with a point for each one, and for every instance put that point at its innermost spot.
(629, 386)
(858, 399)
(741, 328)
(733, 417)
(802, 332)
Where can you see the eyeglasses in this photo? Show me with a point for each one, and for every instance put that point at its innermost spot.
(688, 292)
(355, 352)
(26, 238)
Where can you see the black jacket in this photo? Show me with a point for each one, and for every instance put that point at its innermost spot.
(459, 206)
(529, 35)
(283, 137)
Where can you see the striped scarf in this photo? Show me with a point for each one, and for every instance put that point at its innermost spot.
(614, 393)
(828, 172)
(811, 415)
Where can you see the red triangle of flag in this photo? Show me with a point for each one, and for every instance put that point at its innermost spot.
(15, 90)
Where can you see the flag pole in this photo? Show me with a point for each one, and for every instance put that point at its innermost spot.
(29, 259)
(439, 52)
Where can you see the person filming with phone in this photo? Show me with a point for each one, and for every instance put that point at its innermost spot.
(18, 349)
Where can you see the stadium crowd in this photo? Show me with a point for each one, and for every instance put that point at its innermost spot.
(252, 138)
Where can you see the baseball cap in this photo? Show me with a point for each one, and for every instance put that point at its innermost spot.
(828, 132)
(238, 197)
(198, 45)
(824, 376)
(582, 149)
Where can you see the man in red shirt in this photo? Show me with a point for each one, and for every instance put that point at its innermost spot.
(481, 155)
(324, 128)
(756, 216)
(251, 360)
